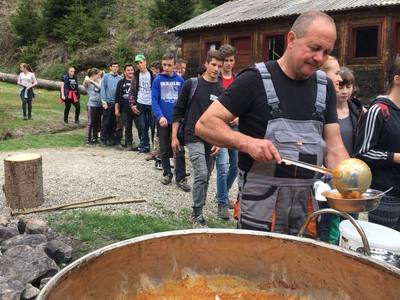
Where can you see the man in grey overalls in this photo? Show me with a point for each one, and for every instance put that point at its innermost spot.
(287, 108)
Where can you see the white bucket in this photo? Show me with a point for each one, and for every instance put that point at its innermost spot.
(379, 237)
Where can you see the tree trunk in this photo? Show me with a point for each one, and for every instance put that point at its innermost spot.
(42, 83)
(23, 181)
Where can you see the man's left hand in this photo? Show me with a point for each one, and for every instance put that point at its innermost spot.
(215, 150)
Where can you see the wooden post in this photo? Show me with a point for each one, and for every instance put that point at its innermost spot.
(23, 180)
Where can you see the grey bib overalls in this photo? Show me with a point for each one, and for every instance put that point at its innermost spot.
(278, 197)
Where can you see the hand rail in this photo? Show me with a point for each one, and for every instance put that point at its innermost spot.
(367, 249)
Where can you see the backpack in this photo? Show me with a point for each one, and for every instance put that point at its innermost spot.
(181, 129)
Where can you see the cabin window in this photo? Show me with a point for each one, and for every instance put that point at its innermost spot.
(274, 46)
(365, 41)
(213, 45)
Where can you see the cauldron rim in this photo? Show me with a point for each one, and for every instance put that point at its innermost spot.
(99, 252)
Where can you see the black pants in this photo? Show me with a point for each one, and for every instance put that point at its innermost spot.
(128, 118)
(165, 135)
(27, 103)
(94, 122)
(108, 124)
(68, 103)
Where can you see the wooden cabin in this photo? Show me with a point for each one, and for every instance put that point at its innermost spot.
(368, 34)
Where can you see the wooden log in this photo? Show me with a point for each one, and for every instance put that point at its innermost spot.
(42, 83)
(23, 181)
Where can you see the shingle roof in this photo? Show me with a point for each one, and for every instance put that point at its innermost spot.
(251, 10)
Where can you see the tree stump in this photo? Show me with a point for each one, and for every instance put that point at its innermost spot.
(23, 180)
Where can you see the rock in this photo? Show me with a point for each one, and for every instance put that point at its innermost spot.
(3, 220)
(7, 233)
(26, 264)
(23, 239)
(36, 226)
(59, 251)
(30, 292)
(43, 282)
(10, 289)
(22, 224)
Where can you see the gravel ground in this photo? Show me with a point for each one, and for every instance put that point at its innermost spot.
(82, 173)
(75, 174)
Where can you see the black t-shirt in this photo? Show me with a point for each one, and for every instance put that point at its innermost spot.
(70, 82)
(206, 92)
(246, 99)
(122, 94)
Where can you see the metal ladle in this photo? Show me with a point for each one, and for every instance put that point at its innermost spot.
(350, 175)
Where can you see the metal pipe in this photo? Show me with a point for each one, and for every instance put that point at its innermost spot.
(367, 249)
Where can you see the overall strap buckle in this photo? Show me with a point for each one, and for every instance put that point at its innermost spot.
(272, 98)
(320, 102)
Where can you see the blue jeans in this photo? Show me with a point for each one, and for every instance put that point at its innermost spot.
(145, 120)
(227, 170)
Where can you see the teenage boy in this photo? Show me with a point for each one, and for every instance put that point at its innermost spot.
(143, 81)
(227, 159)
(181, 67)
(124, 107)
(107, 94)
(189, 108)
(165, 90)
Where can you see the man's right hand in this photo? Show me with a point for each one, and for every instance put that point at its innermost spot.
(163, 122)
(117, 113)
(104, 104)
(175, 145)
(135, 110)
(263, 150)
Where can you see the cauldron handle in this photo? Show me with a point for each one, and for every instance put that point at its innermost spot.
(367, 249)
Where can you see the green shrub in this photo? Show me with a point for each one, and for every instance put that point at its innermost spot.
(121, 52)
(81, 27)
(170, 13)
(54, 72)
(26, 23)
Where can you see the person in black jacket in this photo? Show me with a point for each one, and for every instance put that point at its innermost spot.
(124, 106)
(378, 144)
(349, 109)
(70, 93)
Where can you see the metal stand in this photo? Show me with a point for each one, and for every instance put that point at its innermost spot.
(367, 249)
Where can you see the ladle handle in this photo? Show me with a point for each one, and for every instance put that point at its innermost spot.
(367, 249)
(307, 166)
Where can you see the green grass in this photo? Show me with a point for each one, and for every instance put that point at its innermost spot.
(94, 229)
(47, 112)
(70, 139)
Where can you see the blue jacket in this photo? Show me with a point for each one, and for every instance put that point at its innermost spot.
(164, 92)
(109, 87)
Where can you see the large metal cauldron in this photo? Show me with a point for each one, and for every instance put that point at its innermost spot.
(304, 266)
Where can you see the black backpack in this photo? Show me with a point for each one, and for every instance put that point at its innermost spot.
(181, 129)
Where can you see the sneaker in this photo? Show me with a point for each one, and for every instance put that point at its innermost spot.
(183, 185)
(143, 150)
(25, 118)
(95, 142)
(158, 164)
(167, 179)
(89, 143)
(199, 222)
(223, 212)
(231, 204)
(136, 148)
(30, 118)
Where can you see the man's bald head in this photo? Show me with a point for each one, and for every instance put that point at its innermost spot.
(303, 22)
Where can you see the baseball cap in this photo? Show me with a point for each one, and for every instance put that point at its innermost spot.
(139, 57)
